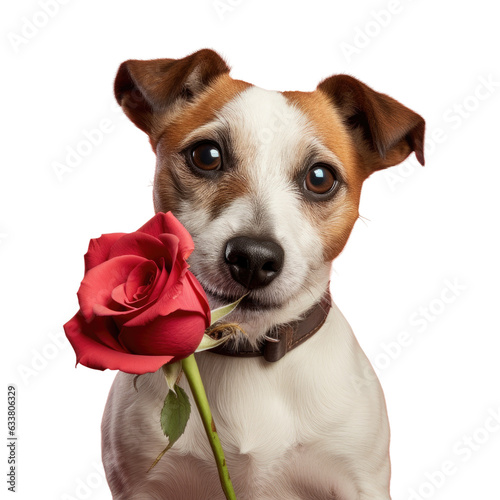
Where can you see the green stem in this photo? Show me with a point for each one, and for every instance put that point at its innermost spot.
(190, 368)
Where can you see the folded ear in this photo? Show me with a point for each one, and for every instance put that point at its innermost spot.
(385, 132)
(145, 89)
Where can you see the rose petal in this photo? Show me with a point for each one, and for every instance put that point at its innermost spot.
(159, 284)
(98, 283)
(168, 297)
(128, 312)
(119, 297)
(94, 354)
(177, 334)
(167, 223)
(102, 330)
(161, 223)
(191, 298)
(202, 296)
(98, 250)
(169, 303)
(187, 296)
(177, 272)
(114, 310)
(172, 242)
(146, 246)
(142, 277)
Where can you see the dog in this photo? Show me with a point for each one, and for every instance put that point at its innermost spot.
(268, 184)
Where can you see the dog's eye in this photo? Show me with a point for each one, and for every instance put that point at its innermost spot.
(206, 156)
(320, 179)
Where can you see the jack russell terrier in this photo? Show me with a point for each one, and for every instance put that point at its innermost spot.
(268, 184)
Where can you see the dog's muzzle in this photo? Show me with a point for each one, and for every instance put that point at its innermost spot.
(252, 262)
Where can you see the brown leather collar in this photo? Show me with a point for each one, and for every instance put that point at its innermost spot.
(283, 338)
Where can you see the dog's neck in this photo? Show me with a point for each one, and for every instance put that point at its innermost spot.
(282, 338)
(259, 325)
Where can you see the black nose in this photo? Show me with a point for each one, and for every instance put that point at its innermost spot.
(253, 263)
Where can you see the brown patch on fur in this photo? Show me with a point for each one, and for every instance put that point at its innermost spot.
(333, 219)
(329, 128)
(385, 131)
(231, 186)
(203, 110)
(146, 89)
(174, 181)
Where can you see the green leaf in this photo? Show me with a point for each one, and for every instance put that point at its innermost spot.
(172, 372)
(208, 342)
(175, 414)
(220, 312)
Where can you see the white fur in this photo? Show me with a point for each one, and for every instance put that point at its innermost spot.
(310, 426)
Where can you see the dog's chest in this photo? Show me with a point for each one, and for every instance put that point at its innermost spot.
(269, 424)
(292, 429)
(277, 421)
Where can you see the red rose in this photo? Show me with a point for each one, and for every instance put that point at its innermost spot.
(140, 307)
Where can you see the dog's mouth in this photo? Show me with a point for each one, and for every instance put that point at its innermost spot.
(253, 301)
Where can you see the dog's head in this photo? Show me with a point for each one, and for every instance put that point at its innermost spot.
(267, 183)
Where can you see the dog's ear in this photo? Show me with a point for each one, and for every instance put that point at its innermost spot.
(145, 89)
(384, 130)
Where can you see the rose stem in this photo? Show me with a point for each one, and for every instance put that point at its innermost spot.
(190, 368)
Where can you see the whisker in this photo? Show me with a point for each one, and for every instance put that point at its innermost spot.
(364, 219)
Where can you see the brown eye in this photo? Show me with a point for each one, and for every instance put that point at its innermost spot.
(206, 156)
(320, 179)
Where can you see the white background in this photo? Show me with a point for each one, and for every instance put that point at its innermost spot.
(423, 228)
